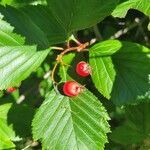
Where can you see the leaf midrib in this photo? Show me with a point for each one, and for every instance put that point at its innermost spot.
(13, 39)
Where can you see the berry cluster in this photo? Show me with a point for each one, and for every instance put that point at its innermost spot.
(72, 88)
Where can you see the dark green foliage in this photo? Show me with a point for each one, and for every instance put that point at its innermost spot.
(116, 96)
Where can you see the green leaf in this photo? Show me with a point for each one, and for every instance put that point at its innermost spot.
(7, 37)
(4, 26)
(43, 30)
(19, 3)
(15, 123)
(103, 72)
(71, 123)
(57, 21)
(20, 118)
(16, 60)
(63, 71)
(132, 63)
(141, 5)
(4, 110)
(22, 61)
(136, 128)
(5, 143)
(120, 70)
(6, 132)
(126, 135)
(75, 16)
(68, 72)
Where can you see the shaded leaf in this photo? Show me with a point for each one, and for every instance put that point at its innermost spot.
(126, 135)
(43, 30)
(75, 16)
(137, 128)
(57, 21)
(20, 117)
(132, 63)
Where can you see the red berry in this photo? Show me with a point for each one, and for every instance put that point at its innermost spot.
(72, 88)
(11, 89)
(83, 69)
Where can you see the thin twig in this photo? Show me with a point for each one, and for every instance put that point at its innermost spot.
(59, 59)
(121, 32)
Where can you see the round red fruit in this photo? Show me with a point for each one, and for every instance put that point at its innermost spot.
(71, 88)
(11, 89)
(83, 69)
